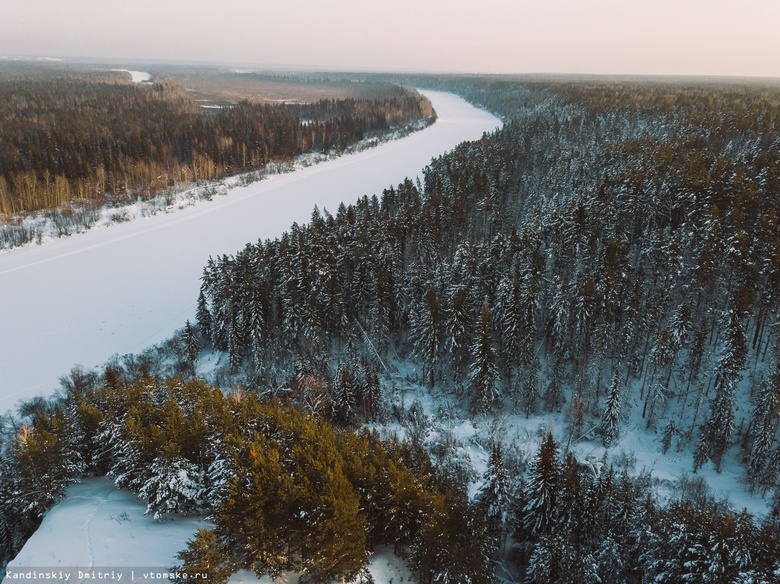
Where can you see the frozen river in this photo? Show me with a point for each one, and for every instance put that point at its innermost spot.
(116, 290)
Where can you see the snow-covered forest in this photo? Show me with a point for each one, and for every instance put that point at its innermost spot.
(609, 259)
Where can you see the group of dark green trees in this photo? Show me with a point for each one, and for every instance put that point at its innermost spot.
(604, 244)
(286, 490)
(612, 246)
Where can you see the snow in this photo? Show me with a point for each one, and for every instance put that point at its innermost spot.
(637, 449)
(137, 76)
(99, 528)
(117, 290)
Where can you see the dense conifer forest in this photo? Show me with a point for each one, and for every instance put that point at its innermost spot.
(613, 251)
(612, 243)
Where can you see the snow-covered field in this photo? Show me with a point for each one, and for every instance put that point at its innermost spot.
(118, 289)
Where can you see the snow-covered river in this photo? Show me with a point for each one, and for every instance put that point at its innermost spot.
(116, 290)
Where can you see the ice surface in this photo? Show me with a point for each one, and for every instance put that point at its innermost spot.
(81, 299)
(138, 76)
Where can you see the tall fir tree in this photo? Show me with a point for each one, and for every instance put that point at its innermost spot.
(610, 421)
(483, 374)
(541, 494)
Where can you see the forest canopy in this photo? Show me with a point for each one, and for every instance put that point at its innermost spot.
(612, 251)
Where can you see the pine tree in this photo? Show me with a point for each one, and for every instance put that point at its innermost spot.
(425, 333)
(540, 513)
(494, 496)
(43, 465)
(610, 422)
(453, 546)
(205, 554)
(483, 374)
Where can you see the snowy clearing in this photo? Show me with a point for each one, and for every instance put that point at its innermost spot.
(99, 528)
(79, 300)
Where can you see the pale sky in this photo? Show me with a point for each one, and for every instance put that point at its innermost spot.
(652, 37)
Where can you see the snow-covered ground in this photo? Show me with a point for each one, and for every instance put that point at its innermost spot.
(101, 530)
(119, 289)
(138, 76)
(637, 449)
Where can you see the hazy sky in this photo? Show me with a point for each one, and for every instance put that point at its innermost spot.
(699, 37)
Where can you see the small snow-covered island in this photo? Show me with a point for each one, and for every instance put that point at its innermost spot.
(373, 327)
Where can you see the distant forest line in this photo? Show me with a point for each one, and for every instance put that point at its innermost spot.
(85, 139)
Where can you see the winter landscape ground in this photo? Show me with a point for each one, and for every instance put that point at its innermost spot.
(149, 274)
(553, 358)
(149, 268)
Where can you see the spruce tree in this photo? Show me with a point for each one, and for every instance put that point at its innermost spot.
(202, 315)
(483, 374)
(717, 431)
(425, 334)
(610, 421)
(175, 486)
(191, 343)
(541, 494)
(494, 495)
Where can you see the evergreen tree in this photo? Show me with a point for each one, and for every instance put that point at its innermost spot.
(175, 486)
(717, 431)
(343, 401)
(541, 494)
(453, 545)
(763, 466)
(483, 375)
(205, 554)
(610, 421)
(425, 323)
(372, 402)
(669, 432)
(459, 327)
(191, 343)
(494, 496)
(202, 315)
